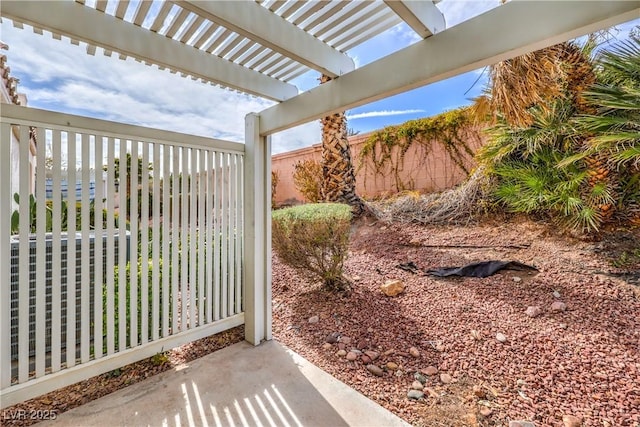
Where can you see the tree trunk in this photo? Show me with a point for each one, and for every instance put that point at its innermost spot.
(338, 174)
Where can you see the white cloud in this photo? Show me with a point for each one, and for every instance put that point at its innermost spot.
(383, 113)
(61, 77)
(457, 11)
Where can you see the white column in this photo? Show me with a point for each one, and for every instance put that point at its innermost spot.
(5, 254)
(257, 232)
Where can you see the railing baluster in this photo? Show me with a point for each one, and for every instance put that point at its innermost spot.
(98, 277)
(144, 245)
(133, 245)
(175, 219)
(23, 271)
(110, 273)
(209, 218)
(85, 250)
(184, 259)
(41, 256)
(202, 182)
(156, 242)
(232, 232)
(193, 176)
(166, 257)
(239, 215)
(122, 247)
(218, 297)
(56, 252)
(72, 267)
(224, 216)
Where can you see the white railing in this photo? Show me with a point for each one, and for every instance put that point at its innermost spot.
(127, 262)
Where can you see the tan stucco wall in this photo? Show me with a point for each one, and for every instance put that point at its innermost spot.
(434, 171)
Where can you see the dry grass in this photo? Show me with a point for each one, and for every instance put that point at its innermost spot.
(459, 205)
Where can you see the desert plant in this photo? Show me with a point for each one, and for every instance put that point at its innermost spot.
(307, 178)
(385, 150)
(314, 239)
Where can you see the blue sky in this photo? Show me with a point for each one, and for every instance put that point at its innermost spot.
(59, 76)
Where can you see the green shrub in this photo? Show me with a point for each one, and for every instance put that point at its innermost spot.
(141, 287)
(314, 239)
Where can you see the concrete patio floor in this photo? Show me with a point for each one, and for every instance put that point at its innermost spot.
(240, 385)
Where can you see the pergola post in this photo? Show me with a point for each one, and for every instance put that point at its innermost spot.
(257, 232)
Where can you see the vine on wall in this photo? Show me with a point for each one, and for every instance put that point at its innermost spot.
(385, 150)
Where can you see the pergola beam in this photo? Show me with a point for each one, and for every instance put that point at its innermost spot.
(99, 29)
(257, 23)
(422, 16)
(444, 55)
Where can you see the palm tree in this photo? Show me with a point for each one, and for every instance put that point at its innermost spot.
(526, 91)
(338, 173)
(613, 128)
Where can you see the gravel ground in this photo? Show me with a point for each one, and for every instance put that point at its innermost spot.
(582, 362)
(576, 363)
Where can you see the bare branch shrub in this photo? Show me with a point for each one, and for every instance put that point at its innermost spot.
(307, 179)
(275, 179)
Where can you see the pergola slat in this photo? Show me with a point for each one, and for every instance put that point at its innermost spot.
(253, 21)
(79, 23)
(422, 16)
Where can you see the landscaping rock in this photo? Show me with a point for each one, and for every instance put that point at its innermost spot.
(342, 346)
(556, 294)
(327, 346)
(351, 356)
(392, 288)
(341, 353)
(485, 412)
(314, 319)
(415, 394)
(375, 370)
(533, 311)
(446, 378)
(420, 378)
(501, 337)
(479, 392)
(521, 424)
(417, 385)
(430, 370)
(372, 354)
(392, 366)
(517, 279)
(476, 335)
(345, 340)
(365, 359)
(362, 344)
(414, 352)
(571, 421)
(558, 306)
(333, 337)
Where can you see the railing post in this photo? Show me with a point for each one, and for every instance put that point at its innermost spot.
(5, 254)
(257, 232)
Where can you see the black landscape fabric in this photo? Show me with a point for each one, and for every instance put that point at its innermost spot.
(480, 269)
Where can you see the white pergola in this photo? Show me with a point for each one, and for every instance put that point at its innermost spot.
(259, 47)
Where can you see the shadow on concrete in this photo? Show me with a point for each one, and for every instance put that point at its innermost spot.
(241, 385)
